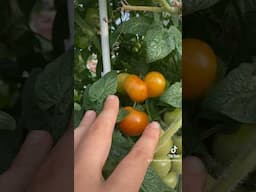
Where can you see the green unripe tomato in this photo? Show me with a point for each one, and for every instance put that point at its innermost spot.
(169, 116)
(164, 148)
(120, 82)
(162, 165)
(171, 180)
(177, 166)
(177, 141)
(226, 146)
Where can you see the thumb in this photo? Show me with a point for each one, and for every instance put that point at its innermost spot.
(30, 157)
(194, 175)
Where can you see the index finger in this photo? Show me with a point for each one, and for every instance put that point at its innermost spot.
(95, 144)
(132, 169)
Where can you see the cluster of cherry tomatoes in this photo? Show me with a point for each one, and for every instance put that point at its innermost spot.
(138, 90)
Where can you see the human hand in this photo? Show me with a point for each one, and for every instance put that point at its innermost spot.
(92, 145)
(194, 175)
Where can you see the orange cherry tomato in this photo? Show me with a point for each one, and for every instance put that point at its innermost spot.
(156, 83)
(136, 88)
(134, 123)
(199, 66)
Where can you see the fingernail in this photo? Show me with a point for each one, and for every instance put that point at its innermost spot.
(155, 124)
(89, 112)
(111, 97)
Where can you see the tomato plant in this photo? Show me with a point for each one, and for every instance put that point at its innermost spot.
(145, 73)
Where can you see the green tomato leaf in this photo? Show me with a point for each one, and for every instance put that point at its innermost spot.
(235, 95)
(121, 115)
(173, 95)
(55, 82)
(160, 42)
(104, 87)
(152, 182)
(135, 25)
(7, 122)
(95, 95)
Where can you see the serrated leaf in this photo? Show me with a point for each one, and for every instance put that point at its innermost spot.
(55, 81)
(235, 95)
(105, 86)
(135, 25)
(173, 95)
(160, 42)
(152, 183)
(95, 94)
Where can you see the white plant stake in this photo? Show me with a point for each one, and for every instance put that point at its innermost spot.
(104, 36)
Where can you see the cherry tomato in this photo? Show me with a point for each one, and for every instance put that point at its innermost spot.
(120, 82)
(171, 180)
(162, 165)
(136, 88)
(134, 123)
(156, 83)
(199, 65)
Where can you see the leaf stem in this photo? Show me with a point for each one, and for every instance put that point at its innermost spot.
(141, 8)
(164, 7)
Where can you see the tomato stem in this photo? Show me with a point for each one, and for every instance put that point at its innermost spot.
(165, 7)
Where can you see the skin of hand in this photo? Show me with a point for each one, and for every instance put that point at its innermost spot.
(93, 140)
(39, 167)
(194, 175)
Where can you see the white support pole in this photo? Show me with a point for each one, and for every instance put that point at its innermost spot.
(104, 36)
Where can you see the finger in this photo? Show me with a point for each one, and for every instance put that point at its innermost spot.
(130, 173)
(86, 122)
(26, 164)
(57, 172)
(95, 145)
(194, 175)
